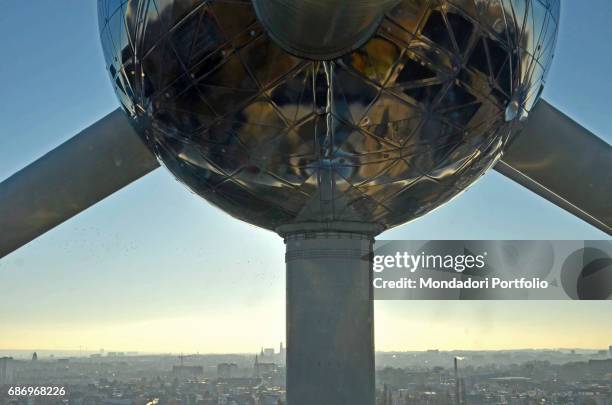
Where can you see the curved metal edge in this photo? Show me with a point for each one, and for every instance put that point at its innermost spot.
(525, 181)
(315, 228)
(313, 9)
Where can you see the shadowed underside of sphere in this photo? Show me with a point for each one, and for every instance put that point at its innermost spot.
(381, 135)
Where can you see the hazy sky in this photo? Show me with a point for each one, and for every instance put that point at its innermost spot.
(155, 268)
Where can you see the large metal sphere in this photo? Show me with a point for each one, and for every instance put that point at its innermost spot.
(381, 135)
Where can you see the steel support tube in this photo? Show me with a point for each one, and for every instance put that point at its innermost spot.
(558, 159)
(330, 319)
(87, 168)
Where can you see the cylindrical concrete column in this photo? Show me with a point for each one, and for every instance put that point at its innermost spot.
(330, 320)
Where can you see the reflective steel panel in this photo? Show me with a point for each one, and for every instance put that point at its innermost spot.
(341, 25)
(381, 135)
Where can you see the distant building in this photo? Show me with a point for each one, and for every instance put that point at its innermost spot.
(269, 354)
(263, 369)
(283, 353)
(227, 370)
(601, 366)
(34, 356)
(7, 372)
(188, 371)
(610, 350)
(270, 398)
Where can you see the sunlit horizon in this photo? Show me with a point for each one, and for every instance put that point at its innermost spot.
(399, 326)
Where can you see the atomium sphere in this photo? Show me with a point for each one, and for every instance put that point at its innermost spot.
(380, 135)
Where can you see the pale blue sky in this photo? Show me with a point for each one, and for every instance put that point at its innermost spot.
(157, 256)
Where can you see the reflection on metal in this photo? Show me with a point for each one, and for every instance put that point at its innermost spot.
(321, 29)
(563, 162)
(416, 114)
(95, 163)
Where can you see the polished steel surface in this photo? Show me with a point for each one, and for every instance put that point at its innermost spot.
(381, 135)
(340, 26)
(563, 162)
(87, 168)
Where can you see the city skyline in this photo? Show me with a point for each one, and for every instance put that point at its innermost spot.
(442, 378)
(50, 354)
(491, 325)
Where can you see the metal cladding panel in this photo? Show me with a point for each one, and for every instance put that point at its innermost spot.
(381, 135)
